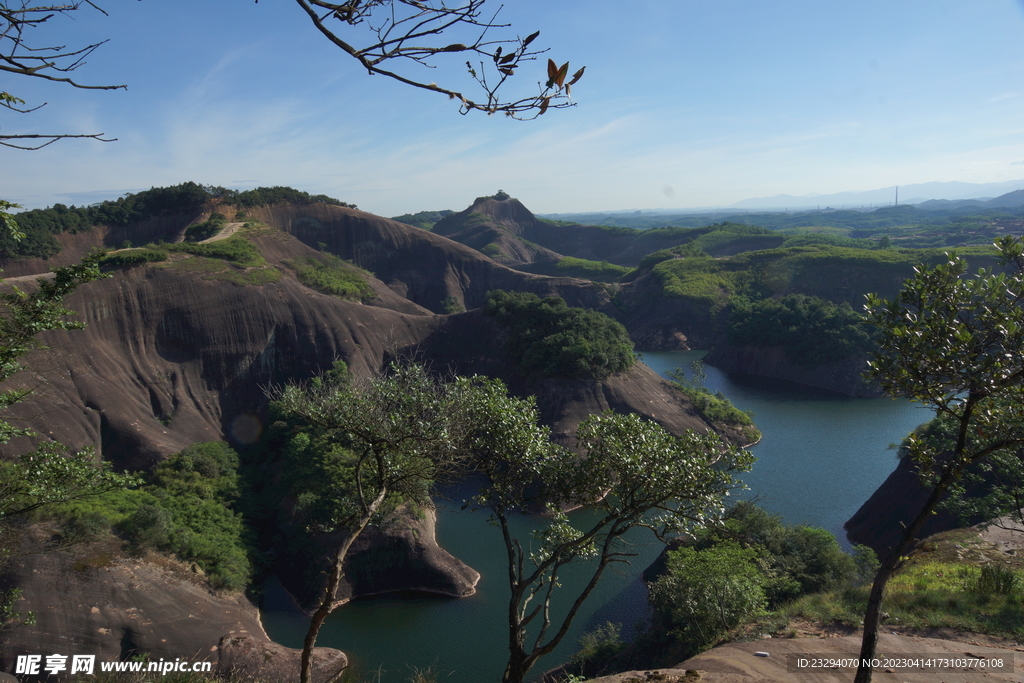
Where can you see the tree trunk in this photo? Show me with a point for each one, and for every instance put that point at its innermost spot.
(516, 670)
(869, 641)
(333, 581)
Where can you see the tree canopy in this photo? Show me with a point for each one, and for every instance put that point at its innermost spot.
(812, 330)
(633, 474)
(378, 442)
(385, 440)
(551, 339)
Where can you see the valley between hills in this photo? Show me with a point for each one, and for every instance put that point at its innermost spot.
(215, 296)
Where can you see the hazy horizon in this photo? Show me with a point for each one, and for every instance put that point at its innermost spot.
(687, 105)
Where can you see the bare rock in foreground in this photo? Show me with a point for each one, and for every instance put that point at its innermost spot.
(95, 601)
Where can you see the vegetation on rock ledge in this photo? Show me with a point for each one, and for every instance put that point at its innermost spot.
(550, 339)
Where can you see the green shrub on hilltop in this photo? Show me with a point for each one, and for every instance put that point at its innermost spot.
(719, 236)
(127, 258)
(269, 196)
(235, 249)
(40, 225)
(423, 219)
(206, 229)
(830, 272)
(234, 259)
(697, 278)
(550, 339)
(681, 251)
(830, 239)
(492, 250)
(812, 330)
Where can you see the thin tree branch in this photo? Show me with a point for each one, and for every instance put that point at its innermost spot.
(50, 139)
(395, 34)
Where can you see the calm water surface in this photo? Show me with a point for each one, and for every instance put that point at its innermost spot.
(821, 456)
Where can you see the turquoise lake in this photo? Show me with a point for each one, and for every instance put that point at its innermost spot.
(820, 458)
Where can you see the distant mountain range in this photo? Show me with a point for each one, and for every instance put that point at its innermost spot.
(918, 194)
(928, 196)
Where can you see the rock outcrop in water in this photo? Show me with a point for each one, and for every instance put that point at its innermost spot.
(844, 377)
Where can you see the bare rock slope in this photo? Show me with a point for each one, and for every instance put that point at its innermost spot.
(96, 601)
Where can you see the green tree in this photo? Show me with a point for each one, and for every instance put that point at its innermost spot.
(953, 343)
(632, 472)
(812, 330)
(452, 305)
(386, 440)
(704, 593)
(551, 339)
(797, 559)
(382, 441)
(597, 648)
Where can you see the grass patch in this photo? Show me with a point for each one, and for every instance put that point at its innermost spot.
(234, 259)
(716, 407)
(330, 275)
(492, 250)
(250, 276)
(844, 606)
(197, 264)
(235, 249)
(187, 508)
(591, 270)
(693, 278)
(215, 269)
(931, 593)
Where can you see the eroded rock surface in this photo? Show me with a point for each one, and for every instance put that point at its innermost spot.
(95, 600)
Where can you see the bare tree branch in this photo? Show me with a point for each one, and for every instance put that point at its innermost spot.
(21, 57)
(414, 31)
(50, 139)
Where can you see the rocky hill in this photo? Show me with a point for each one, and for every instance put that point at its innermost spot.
(172, 354)
(181, 350)
(510, 220)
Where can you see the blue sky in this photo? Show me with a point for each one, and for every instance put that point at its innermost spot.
(685, 103)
